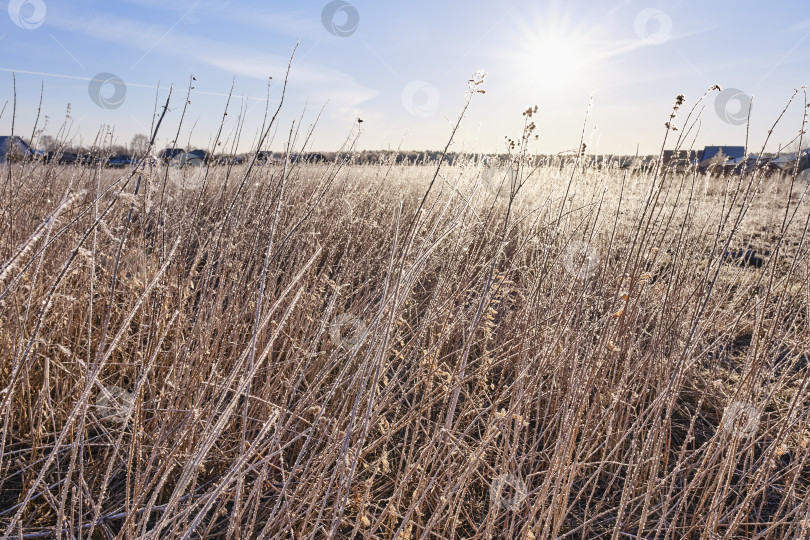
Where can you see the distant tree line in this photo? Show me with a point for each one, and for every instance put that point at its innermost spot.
(139, 145)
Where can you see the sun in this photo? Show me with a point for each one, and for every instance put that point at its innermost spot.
(550, 57)
(553, 60)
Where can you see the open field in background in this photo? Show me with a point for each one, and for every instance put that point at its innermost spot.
(300, 354)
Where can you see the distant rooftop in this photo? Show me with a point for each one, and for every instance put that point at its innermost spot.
(733, 152)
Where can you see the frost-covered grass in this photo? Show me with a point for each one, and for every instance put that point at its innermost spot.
(296, 352)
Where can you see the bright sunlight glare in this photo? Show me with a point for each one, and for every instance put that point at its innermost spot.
(550, 57)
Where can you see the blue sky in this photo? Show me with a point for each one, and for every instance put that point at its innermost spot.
(403, 67)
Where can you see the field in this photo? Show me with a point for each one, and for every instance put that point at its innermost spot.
(314, 350)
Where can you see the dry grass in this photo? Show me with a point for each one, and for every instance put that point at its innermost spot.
(491, 381)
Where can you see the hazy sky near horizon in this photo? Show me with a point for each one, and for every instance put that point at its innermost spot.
(403, 68)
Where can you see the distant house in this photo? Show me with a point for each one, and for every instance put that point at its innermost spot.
(787, 162)
(170, 153)
(731, 152)
(716, 156)
(746, 164)
(199, 154)
(12, 148)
